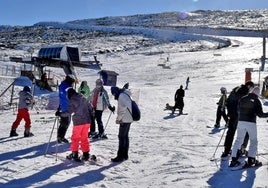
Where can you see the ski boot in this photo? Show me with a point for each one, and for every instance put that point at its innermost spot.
(252, 162)
(62, 140)
(117, 159)
(103, 136)
(74, 156)
(85, 156)
(27, 133)
(92, 134)
(225, 155)
(217, 125)
(13, 133)
(234, 162)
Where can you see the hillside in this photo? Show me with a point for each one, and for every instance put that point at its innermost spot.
(141, 30)
(166, 150)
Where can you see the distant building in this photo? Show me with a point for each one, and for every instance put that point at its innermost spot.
(109, 77)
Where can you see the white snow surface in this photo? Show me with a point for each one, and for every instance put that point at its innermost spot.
(165, 150)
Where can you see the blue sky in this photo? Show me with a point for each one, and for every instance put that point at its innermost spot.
(29, 12)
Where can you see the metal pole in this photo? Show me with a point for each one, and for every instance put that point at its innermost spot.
(106, 124)
(213, 156)
(56, 120)
(57, 140)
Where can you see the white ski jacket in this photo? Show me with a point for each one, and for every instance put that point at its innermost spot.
(124, 109)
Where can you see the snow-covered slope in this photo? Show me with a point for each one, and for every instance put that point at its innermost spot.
(165, 150)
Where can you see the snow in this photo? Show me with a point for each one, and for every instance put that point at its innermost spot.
(165, 150)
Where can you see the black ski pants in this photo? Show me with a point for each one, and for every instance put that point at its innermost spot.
(221, 113)
(64, 124)
(123, 140)
(179, 104)
(98, 118)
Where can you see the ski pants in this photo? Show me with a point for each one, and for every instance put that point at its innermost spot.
(92, 126)
(98, 117)
(80, 138)
(179, 104)
(123, 139)
(64, 124)
(221, 113)
(231, 133)
(22, 114)
(243, 128)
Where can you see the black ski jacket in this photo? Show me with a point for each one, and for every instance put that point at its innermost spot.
(249, 108)
(233, 99)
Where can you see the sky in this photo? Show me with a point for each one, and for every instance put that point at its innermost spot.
(29, 12)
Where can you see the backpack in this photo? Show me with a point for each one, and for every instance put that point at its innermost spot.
(136, 113)
(234, 97)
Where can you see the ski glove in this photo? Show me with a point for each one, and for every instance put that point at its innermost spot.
(57, 113)
(112, 108)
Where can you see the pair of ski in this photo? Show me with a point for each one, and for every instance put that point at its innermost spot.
(93, 160)
(244, 165)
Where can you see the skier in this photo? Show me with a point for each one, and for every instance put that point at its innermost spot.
(44, 83)
(232, 102)
(84, 89)
(249, 108)
(221, 109)
(124, 119)
(81, 110)
(179, 103)
(100, 100)
(64, 121)
(25, 101)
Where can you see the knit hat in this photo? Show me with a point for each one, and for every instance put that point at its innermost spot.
(27, 89)
(70, 92)
(256, 90)
(99, 82)
(223, 90)
(70, 79)
(115, 90)
(249, 83)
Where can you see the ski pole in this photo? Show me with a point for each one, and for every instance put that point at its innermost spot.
(213, 156)
(57, 140)
(106, 123)
(56, 119)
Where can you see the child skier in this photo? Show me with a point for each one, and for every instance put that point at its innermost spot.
(81, 120)
(221, 109)
(25, 101)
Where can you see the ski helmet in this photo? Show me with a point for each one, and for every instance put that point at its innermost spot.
(256, 90)
(70, 79)
(27, 89)
(223, 90)
(249, 84)
(99, 82)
